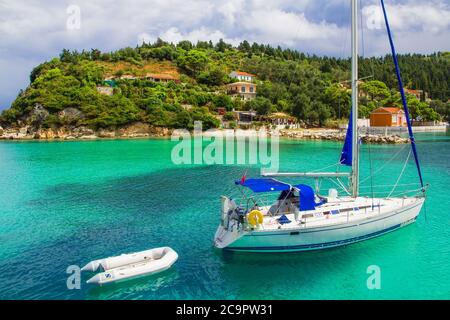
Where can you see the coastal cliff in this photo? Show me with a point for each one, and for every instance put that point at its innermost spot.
(32, 126)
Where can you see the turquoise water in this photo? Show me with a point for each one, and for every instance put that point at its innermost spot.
(66, 203)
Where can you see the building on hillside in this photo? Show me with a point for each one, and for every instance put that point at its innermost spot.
(156, 77)
(106, 90)
(110, 82)
(242, 76)
(281, 120)
(244, 90)
(245, 117)
(362, 123)
(186, 106)
(128, 77)
(387, 117)
(161, 77)
(221, 111)
(419, 94)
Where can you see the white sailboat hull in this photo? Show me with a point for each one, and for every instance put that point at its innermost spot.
(303, 238)
(333, 223)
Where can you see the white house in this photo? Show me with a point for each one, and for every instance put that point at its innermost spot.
(242, 76)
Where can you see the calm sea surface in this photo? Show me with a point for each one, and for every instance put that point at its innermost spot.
(66, 203)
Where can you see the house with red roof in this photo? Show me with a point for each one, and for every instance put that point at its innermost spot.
(387, 117)
(161, 77)
(243, 76)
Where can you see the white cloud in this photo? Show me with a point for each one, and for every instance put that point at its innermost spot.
(230, 9)
(145, 38)
(202, 34)
(416, 27)
(413, 18)
(36, 30)
(287, 27)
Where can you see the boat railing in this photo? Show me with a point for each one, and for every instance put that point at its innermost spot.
(346, 212)
(250, 202)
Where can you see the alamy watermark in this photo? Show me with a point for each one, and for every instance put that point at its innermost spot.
(73, 21)
(74, 279)
(374, 17)
(374, 280)
(226, 147)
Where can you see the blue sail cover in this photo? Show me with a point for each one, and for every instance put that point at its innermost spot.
(307, 201)
(264, 185)
(346, 155)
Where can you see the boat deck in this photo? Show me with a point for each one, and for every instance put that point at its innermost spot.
(339, 211)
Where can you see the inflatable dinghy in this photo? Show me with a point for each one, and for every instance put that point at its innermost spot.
(128, 266)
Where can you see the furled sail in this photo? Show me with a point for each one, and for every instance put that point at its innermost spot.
(346, 155)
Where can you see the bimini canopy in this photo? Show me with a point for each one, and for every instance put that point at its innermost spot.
(307, 201)
(264, 185)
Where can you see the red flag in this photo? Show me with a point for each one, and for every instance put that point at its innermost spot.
(244, 177)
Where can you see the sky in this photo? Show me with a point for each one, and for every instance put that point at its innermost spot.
(34, 31)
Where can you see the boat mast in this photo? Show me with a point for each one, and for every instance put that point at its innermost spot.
(355, 145)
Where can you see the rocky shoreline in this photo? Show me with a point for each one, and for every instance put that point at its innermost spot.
(31, 126)
(339, 135)
(144, 130)
(134, 130)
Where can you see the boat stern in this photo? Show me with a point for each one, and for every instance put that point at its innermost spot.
(224, 238)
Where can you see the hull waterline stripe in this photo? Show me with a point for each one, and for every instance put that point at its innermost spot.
(267, 234)
(319, 245)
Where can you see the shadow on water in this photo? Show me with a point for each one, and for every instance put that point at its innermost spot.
(135, 286)
(306, 270)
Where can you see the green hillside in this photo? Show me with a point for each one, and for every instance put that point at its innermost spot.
(311, 88)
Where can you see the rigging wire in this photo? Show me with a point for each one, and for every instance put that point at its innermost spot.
(339, 185)
(385, 164)
(397, 195)
(390, 185)
(400, 175)
(327, 167)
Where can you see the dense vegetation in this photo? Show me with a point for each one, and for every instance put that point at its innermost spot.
(307, 87)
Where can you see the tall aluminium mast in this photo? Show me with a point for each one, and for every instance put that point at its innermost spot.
(354, 113)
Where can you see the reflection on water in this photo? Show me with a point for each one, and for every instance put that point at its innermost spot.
(134, 288)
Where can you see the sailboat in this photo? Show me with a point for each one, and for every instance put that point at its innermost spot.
(280, 217)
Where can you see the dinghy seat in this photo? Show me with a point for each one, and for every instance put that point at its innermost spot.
(157, 254)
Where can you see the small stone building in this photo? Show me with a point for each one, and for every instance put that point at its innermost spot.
(387, 117)
(161, 77)
(105, 90)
